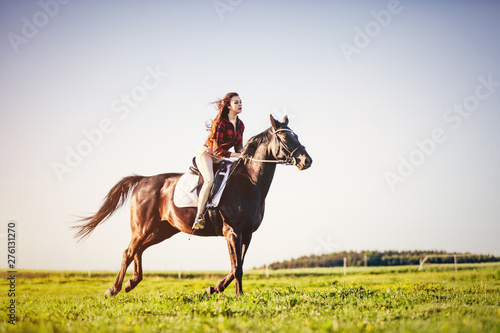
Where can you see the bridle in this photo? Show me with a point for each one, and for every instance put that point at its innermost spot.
(289, 159)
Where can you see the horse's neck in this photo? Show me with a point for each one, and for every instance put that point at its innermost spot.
(261, 174)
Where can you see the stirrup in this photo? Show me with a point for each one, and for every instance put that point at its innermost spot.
(200, 222)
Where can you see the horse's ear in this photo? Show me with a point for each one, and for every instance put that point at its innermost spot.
(273, 122)
(285, 120)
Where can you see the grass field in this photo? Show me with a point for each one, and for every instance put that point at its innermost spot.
(372, 299)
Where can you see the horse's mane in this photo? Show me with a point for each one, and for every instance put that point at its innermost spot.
(254, 142)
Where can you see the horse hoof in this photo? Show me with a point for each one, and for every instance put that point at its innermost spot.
(210, 290)
(128, 287)
(108, 294)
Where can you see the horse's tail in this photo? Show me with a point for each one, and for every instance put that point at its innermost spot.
(114, 200)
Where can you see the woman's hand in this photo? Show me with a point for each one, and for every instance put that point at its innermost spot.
(236, 155)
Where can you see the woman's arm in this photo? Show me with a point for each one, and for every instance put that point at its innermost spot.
(220, 139)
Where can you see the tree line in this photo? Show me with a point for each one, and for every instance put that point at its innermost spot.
(377, 258)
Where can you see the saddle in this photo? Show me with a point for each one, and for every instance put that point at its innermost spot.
(189, 185)
(221, 173)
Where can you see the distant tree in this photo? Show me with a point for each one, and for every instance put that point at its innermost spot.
(376, 258)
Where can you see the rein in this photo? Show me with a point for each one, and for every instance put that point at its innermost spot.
(289, 160)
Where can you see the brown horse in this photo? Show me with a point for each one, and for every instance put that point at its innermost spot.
(154, 217)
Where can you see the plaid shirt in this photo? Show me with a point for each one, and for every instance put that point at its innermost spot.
(226, 137)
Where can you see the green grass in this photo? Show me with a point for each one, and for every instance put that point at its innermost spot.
(373, 299)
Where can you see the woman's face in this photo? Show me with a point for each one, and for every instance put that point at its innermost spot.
(235, 105)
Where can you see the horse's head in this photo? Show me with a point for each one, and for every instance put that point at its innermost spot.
(286, 145)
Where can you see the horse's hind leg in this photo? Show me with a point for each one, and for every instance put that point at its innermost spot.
(163, 230)
(128, 256)
(134, 281)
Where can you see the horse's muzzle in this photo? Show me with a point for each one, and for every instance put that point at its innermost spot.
(303, 162)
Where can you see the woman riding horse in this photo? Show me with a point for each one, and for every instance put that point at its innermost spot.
(226, 132)
(154, 217)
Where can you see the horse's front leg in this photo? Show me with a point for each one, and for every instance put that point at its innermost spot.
(234, 244)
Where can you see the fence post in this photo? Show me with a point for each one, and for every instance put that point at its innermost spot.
(455, 257)
(422, 262)
(345, 266)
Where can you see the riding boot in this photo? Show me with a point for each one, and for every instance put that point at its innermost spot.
(199, 223)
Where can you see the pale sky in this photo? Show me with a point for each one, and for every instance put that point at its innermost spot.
(397, 103)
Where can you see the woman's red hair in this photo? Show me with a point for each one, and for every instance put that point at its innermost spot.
(223, 106)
